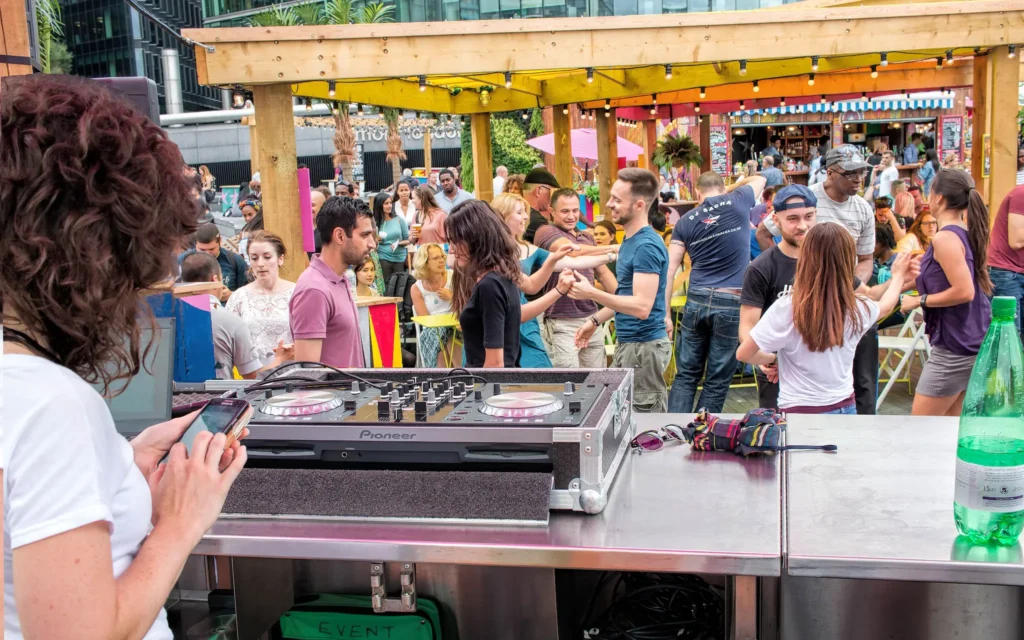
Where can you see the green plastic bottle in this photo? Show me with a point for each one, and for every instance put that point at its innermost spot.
(988, 502)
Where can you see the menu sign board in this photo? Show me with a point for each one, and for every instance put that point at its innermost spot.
(720, 149)
(951, 138)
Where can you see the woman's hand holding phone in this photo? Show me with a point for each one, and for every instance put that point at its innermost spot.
(190, 489)
(152, 445)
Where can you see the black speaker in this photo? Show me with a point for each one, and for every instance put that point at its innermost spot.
(139, 91)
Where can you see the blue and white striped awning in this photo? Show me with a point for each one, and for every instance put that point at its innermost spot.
(859, 105)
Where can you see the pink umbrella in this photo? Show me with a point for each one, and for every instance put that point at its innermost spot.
(584, 145)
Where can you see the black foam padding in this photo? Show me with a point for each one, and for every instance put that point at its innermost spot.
(372, 494)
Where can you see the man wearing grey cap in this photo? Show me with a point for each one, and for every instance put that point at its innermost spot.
(537, 188)
(845, 172)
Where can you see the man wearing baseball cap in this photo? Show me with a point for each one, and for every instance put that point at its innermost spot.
(838, 201)
(537, 188)
(770, 276)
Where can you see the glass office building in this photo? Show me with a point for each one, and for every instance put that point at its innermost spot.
(107, 38)
(218, 13)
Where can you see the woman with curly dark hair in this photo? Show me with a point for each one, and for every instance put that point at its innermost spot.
(93, 205)
(484, 292)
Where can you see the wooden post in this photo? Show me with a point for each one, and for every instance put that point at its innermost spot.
(704, 124)
(650, 140)
(275, 154)
(483, 174)
(14, 39)
(427, 159)
(980, 122)
(563, 146)
(1003, 125)
(607, 157)
(254, 146)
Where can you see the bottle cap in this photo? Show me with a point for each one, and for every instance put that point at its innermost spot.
(1004, 306)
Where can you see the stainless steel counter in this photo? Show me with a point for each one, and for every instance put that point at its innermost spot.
(674, 510)
(882, 507)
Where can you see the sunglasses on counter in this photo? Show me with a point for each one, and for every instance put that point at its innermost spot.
(655, 439)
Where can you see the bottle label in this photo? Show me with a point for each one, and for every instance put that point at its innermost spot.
(993, 489)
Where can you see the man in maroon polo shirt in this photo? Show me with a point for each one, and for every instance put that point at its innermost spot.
(322, 311)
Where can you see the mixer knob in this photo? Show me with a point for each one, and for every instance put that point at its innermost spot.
(431, 397)
(575, 406)
(420, 409)
(389, 387)
(383, 411)
(268, 394)
(425, 386)
(478, 395)
(395, 396)
(350, 405)
(497, 389)
(355, 388)
(289, 388)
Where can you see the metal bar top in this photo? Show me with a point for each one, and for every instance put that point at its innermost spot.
(882, 506)
(674, 510)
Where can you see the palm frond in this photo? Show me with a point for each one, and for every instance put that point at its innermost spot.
(376, 12)
(48, 11)
(338, 11)
(276, 17)
(312, 13)
(676, 151)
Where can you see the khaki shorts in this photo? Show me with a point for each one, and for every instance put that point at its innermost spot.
(560, 339)
(648, 360)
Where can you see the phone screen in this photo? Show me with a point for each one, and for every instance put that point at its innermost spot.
(215, 418)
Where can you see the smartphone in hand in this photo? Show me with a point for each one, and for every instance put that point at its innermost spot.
(220, 415)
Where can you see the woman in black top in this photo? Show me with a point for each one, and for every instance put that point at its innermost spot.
(484, 294)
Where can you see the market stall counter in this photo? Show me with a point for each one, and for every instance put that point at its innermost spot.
(671, 511)
(872, 550)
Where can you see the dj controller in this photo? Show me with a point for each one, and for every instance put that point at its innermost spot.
(575, 424)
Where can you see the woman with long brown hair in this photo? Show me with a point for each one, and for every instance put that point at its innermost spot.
(919, 236)
(813, 333)
(430, 218)
(954, 287)
(484, 291)
(93, 205)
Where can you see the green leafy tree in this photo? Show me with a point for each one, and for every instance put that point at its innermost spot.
(326, 12)
(60, 57)
(508, 148)
(48, 26)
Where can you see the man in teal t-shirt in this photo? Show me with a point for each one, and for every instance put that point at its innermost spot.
(638, 304)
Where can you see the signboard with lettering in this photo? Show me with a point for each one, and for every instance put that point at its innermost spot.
(720, 149)
(951, 137)
(357, 164)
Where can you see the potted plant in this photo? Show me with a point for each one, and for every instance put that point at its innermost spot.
(679, 152)
(591, 193)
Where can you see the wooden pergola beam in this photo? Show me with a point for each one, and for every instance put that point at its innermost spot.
(958, 75)
(251, 55)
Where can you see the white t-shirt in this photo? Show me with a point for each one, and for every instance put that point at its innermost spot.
(855, 214)
(807, 378)
(889, 176)
(498, 184)
(65, 466)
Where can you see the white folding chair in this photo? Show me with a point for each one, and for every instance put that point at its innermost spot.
(910, 340)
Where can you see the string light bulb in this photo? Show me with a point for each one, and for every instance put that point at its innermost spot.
(823, 99)
(565, 109)
(703, 93)
(334, 109)
(949, 56)
(757, 87)
(309, 104)
(654, 109)
(814, 63)
(607, 113)
(423, 83)
(782, 102)
(884, 59)
(332, 88)
(696, 107)
(938, 63)
(1012, 51)
(590, 74)
(526, 114)
(874, 71)
(668, 72)
(810, 80)
(743, 67)
(508, 79)
(607, 104)
(743, 105)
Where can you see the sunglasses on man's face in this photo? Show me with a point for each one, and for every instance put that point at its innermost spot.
(853, 176)
(656, 438)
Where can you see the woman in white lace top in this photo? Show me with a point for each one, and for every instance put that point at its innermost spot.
(263, 303)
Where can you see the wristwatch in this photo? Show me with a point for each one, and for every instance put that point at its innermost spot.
(594, 320)
(924, 301)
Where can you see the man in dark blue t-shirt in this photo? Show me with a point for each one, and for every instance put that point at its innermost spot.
(637, 305)
(716, 235)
